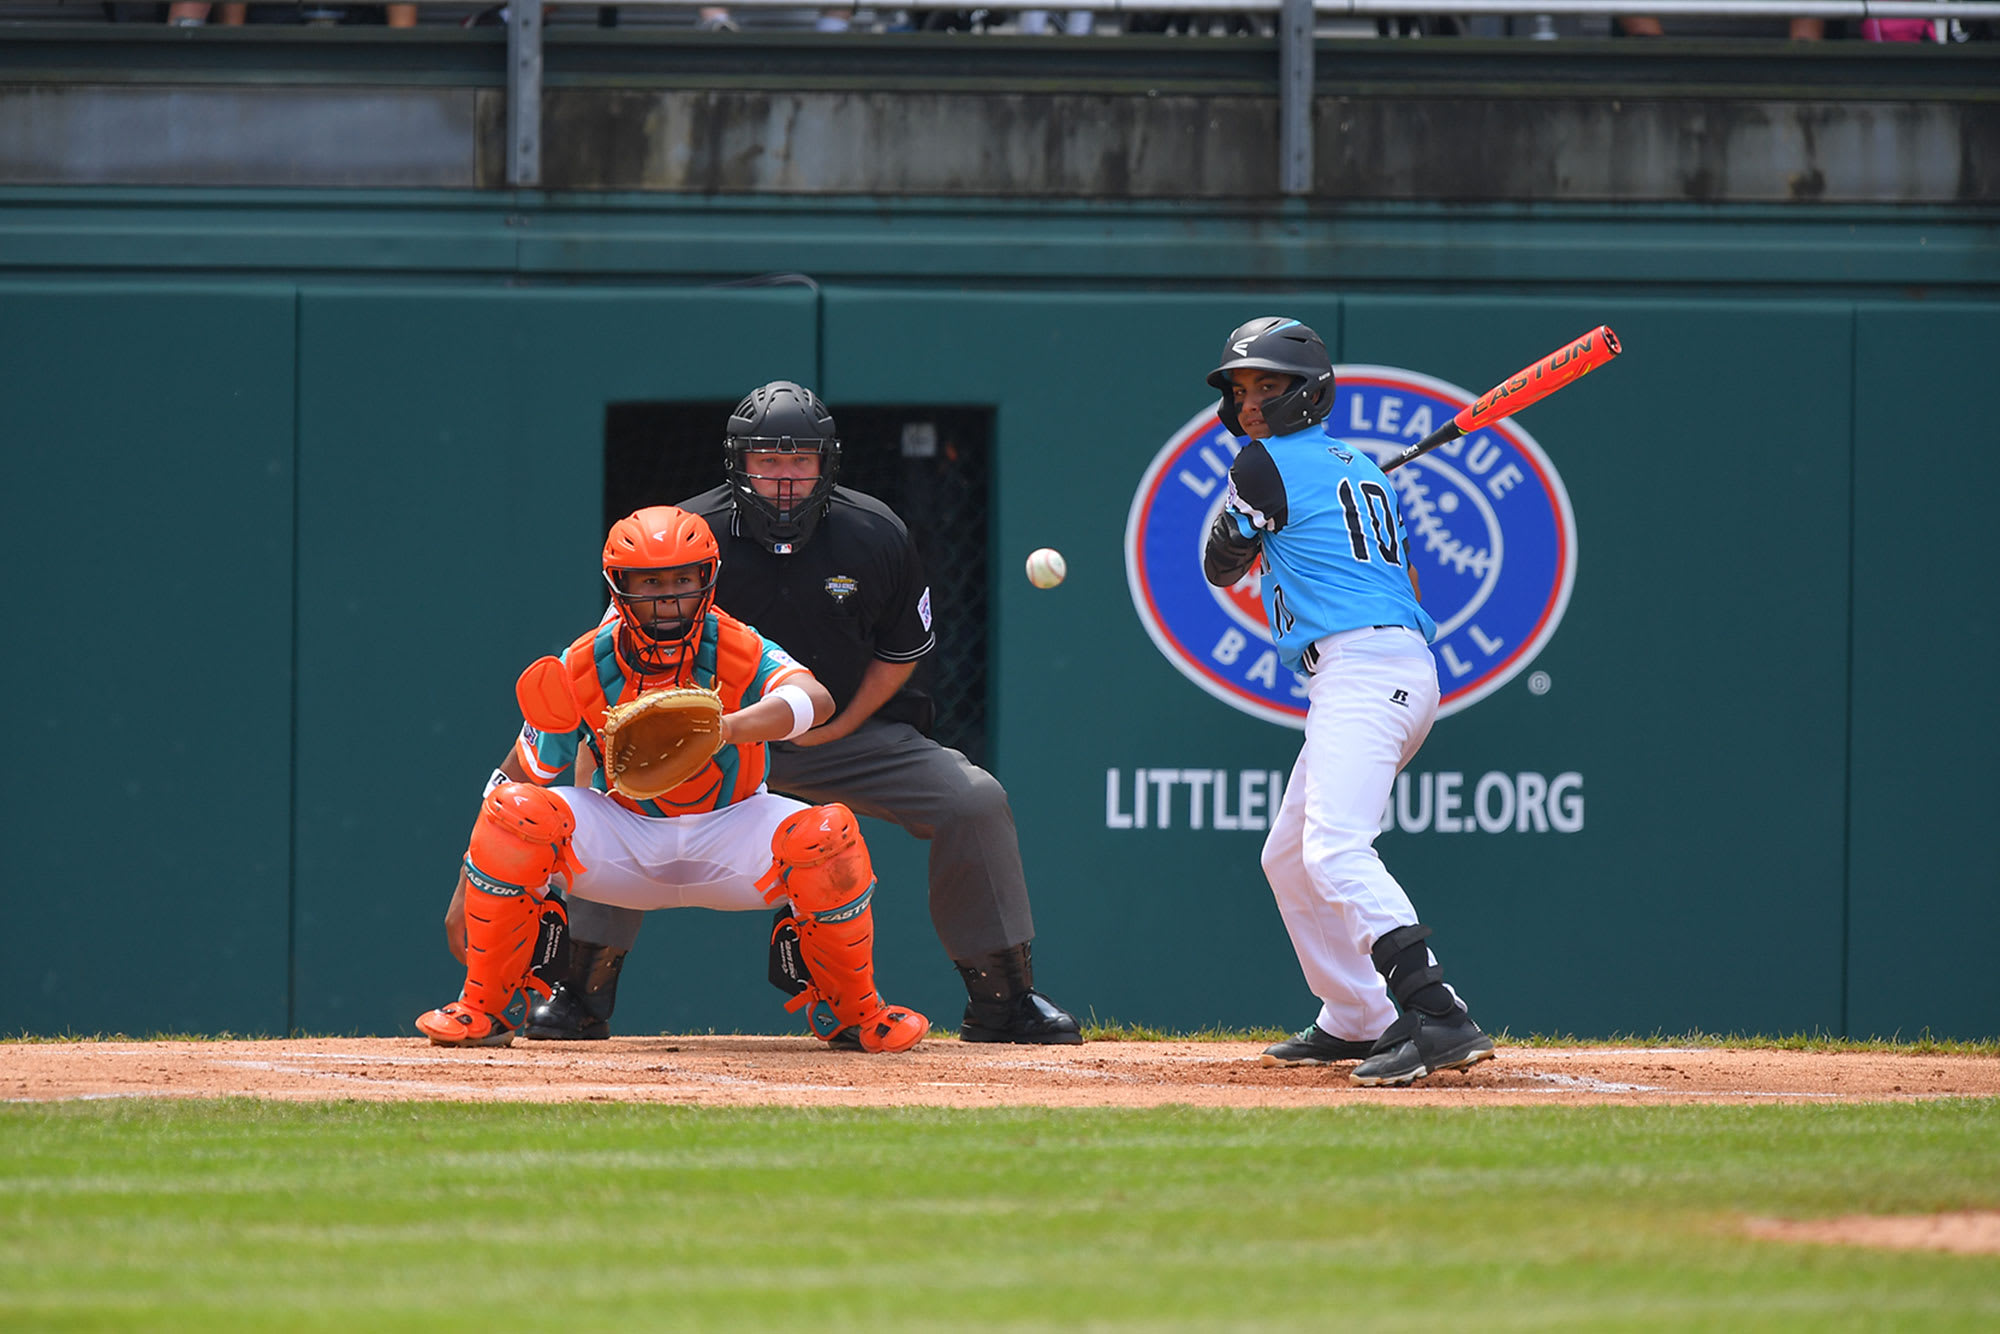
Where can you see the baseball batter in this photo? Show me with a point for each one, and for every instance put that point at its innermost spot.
(1342, 603)
(718, 840)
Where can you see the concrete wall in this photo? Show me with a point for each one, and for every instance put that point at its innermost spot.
(1005, 117)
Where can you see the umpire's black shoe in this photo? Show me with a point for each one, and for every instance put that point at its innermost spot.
(1030, 1017)
(563, 1018)
(1313, 1045)
(1002, 1004)
(1420, 1044)
(583, 992)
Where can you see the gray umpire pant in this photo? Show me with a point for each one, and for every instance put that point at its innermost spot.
(891, 771)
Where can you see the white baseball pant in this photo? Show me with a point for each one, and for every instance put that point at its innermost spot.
(1370, 703)
(710, 860)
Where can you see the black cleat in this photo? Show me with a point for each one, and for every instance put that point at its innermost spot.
(1420, 1044)
(1029, 1017)
(564, 1018)
(583, 990)
(1313, 1045)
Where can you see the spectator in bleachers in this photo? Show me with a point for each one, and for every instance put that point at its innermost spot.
(1181, 23)
(1075, 22)
(1645, 25)
(182, 14)
(194, 16)
(1897, 30)
(717, 18)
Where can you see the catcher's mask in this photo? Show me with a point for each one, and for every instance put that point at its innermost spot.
(661, 563)
(1286, 347)
(780, 418)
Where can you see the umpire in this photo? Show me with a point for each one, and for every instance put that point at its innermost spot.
(831, 574)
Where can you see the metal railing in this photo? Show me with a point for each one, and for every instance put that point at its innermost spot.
(1295, 25)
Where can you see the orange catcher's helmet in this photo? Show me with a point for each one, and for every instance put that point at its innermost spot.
(661, 563)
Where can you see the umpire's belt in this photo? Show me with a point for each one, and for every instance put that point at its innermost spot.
(1314, 651)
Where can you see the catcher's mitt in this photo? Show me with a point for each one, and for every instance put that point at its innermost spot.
(658, 741)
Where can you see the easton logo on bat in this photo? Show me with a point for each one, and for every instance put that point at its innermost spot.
(1491, 533)
(1579, 358)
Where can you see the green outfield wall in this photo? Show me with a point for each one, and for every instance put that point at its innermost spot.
(295, 484)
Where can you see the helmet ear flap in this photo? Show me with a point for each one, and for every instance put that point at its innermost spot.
(1226, 410)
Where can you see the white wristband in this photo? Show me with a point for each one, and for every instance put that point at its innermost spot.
(802, 708)
(499, 777)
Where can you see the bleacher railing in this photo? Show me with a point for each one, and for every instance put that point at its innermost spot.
(1295, 25)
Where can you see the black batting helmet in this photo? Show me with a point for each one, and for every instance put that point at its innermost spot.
(780, 418)
(1273, 343)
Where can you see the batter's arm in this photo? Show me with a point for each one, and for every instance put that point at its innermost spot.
(454, 913)
(879, 683)
(1415, 589)
(1256, 501)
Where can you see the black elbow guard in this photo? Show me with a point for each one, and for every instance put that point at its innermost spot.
(1228, 554)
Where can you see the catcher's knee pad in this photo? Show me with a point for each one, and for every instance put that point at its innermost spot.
(819, 862)
(522, 837)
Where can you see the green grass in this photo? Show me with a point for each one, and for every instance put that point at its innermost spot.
(163, 1215)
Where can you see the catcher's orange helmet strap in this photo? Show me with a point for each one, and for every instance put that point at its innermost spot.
(545, 698)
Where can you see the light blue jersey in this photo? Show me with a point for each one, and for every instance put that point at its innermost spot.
(1334, 548)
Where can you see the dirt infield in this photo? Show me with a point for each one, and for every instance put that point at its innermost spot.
(1966, 1232)
(796, 1071)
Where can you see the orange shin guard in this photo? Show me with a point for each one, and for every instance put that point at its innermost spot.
(521, 839)
(819, 862)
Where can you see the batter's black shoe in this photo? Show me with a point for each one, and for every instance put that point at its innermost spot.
(1313, 1045)
(581, 997)
(1420, 1044)
(1002, 1004)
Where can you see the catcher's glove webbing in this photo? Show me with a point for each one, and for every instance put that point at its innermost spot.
(658, 741)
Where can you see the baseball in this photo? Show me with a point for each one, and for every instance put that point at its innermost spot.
(1046, 567)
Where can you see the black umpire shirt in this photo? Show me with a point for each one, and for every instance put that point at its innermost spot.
(854, 593)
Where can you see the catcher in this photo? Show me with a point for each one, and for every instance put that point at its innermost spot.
(675, 700)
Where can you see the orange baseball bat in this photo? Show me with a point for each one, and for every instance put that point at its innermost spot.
(1572, 361)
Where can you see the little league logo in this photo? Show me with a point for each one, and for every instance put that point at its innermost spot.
(1491, 534)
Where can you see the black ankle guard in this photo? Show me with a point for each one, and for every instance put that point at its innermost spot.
(996, 978)
(1415, 982)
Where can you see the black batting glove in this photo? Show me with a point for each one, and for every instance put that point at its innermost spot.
(1228, 554)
